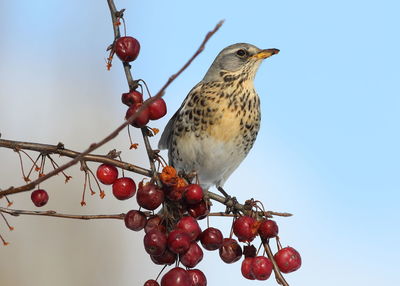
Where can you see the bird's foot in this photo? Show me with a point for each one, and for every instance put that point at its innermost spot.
(230, 202)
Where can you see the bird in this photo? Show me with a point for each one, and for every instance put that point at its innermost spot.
(217, 124)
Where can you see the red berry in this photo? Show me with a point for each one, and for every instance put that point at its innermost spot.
(261, 267)
(176, 277)
(154, 222)
(135, 220)
(132, 97)
(127, 48)
(124, 188)
(288, 259)
(246, 268)
(197, 277)
(155, 242)
(107, 174)
(39, 197)
(268, 229)
(149, 196)
(168, 257)
(193, 194)
(157, 109)
(190, 225)
(211, 238)
(192, 256)
(142, 118)
(230, 250)
(199, 211)
(245, 228)
(151, 283)
(179, 241)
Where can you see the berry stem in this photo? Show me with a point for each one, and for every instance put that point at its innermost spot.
(278, 275)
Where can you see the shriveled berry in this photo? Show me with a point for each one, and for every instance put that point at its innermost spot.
(39, 197)
(193, 194)
(127, 48)
(192, 256)
(149, 196)
(268, 229)
(197, 277)
(288, 259)
(124, 188)
(211, 238)
(246, 268)
(176, 277)
(179, 241)
(157, 109)
(142, 118)
(132, 97)
(230, 250)
(261, 267)
(135, 220)
(245, 228)
(155, 242)
(190, 225)
(107, 174)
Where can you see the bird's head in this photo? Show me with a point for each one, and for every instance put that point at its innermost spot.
(240, 59)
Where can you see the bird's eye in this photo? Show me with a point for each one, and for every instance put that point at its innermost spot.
(241, 53)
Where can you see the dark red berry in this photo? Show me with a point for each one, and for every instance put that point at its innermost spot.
(151, 283)
(199, 211)
(268, 229)
(39, 197)
(155, 242)
(246, 268)
(168, 257)
(261, 267)
(176, 277)
(132, 97)
(157, 109)
(288, 259)
(192, 256)
(197, 277)
(149, 196)
(107, 174)
(245, 228)
(127, 48)
(124, 188)
(135, 220)
(249, 251)
(142, 118)
(211, 238)
(193, 194)
(230, 250)
(190, 225)
(179, 241)
(154, 222)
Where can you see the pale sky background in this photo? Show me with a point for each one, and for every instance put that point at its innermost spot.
(328, 150)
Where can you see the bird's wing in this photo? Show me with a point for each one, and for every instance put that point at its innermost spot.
(168, 130)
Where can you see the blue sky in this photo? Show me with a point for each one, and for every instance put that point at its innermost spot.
(328, 149)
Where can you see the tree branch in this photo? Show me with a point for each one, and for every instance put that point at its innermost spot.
(50, 213)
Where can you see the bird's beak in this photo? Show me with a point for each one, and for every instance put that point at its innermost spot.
(263, 54)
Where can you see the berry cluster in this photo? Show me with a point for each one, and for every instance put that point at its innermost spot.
(173, 235)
